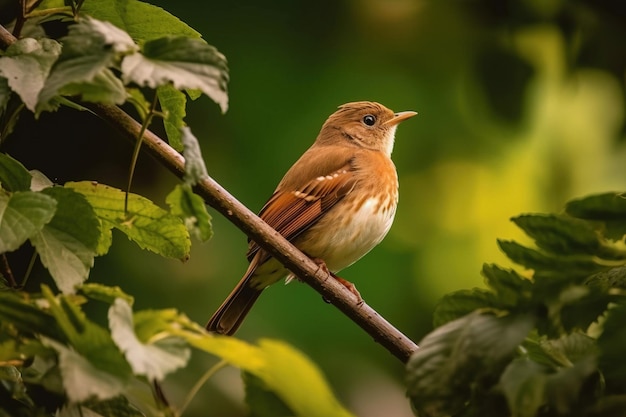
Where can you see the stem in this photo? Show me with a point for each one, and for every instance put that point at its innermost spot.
(138, 142)
(203, 379)
(6, 271)
(29, 269)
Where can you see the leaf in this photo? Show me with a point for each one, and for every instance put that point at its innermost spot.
(460, 303)
(5, 96)
(142, 21)
(195, 169)
(612, 345)
(13, 175)
(89, 49)
(173, 103)
(187, 63)
(154, 360)
(148, 225)
(511, 288)
(560, 234)
(455, 357)
(67, 244)
(523, 383)
(190, 207)
(278, 366)
(82, 380)
(104, 293)
(261, 401)
(609, 208)
(104, 88)
(27, 317)
(22, 215)
(26, 66)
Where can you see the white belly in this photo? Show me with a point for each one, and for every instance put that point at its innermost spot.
(353, 236)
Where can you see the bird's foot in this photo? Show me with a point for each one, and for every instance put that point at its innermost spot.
(349, 286)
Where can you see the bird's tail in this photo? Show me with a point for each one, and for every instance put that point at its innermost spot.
(227, 319)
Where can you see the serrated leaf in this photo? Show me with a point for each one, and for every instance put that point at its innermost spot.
(148, 225)
(511, 288)
(155, 359)
(67, 244)
(559, 234)
(22, 215)
(187, 63)
(462, 302)
(539, 261)
(89, 49)
(142, 21)
(440, 374)
(605, 206)
(190, 207)
(104, 88)
(13, 175)
(612, 345)
(173, 104)
(26, 66)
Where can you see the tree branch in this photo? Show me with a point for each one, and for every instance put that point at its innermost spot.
(270, 240)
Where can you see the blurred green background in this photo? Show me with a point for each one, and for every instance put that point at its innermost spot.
(521, 107)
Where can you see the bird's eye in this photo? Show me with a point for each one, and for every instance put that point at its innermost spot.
(369, 120)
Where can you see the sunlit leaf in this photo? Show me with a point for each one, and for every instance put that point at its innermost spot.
(173, 103)
(187, 63)
(190, 207)
(155, 359)
(67, 244)
(13, 175)
(105, 293)
(22, 215)
(261, 400)
(146, 224)
(26, 66)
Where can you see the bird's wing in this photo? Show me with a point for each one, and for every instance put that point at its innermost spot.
(292, 210)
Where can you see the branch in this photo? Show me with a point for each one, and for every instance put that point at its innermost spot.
(217, 197)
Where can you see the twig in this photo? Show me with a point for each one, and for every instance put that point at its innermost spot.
(304, 268)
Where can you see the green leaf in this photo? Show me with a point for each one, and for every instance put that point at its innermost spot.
(148, 225)
(612, 345)
(575, 266)
(452, 359)
(462, 302)
(609, 208)
(511, 288)
(523, 383)
(105, 293)
(5, 96)
(278, 366)
(559, 234)
(190, 207)
(22, 215)
(104, 88)
(261, 401)
(13, 175)
(27, 317)
(89, 49)
(155, 359)
(142, 21)
(26, 66)
(185, 62)
(173, 103)
(67, 244)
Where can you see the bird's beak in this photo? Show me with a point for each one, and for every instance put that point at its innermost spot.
(398, 117)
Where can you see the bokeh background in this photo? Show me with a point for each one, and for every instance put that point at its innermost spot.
(521, 107)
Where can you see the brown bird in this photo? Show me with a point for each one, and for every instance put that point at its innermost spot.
(334, 204)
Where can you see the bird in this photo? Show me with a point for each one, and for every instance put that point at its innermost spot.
(335, 204)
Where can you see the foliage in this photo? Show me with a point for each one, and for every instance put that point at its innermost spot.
(542, 345)
(57, 357)
(545, 341)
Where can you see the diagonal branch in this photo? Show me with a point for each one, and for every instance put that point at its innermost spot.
(270, 240)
